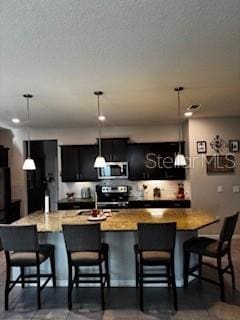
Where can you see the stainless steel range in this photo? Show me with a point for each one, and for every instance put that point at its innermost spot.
(112, 196)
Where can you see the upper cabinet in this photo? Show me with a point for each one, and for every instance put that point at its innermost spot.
(154, 161)
(78, 163)
(70, 163)
(147, 161)
(115, 149)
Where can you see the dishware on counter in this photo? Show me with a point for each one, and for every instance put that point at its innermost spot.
(70, 195)
(157, 192)
(97, 215)
(85, 193)
(98, 218)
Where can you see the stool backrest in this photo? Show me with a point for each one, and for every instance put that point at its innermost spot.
(19, 238)
(228, 229)
(156, 236)
(82, 237)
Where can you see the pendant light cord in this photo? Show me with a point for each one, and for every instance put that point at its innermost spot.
(179, 124)
(28, 128)
(99, 128)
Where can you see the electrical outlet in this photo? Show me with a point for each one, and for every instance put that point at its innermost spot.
(236, 189)
(219, 188)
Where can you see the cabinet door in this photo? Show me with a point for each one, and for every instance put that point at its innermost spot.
(70, 163)
(119, 149)
(107, 149)
(87, 156)
(136, 161)
(172, 172)
(115, 149)
(154, 161)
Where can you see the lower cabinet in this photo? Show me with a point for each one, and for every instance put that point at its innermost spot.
(137, 204)
(159, 204)
(75, 205)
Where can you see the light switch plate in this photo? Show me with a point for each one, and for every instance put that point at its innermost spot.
(219, 188)
(236, 189)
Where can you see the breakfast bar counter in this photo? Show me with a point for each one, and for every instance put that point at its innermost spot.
(123, 219)
(119, 231)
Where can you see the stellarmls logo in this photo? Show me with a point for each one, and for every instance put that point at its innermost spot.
(218, 162)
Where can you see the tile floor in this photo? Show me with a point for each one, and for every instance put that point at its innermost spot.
(200, 301)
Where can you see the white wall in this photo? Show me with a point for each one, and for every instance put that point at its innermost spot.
(204, 187)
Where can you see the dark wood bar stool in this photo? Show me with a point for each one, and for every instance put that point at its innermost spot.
(22, 249)
(156, 243)
(84, 248)
(216, 249)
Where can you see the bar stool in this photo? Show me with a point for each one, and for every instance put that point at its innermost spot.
(156, 243)
(215, 249)
(21, 247)
(84, 248)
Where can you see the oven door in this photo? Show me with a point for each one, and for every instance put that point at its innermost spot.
(114, 170)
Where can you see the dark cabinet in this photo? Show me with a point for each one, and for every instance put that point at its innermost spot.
(14, 211)
(73, 205)
(3, 156)
(154, 161)
(159, 204)
(87, 156)
(70, 163)
(136, 161)
(115, 149)
(78, 163)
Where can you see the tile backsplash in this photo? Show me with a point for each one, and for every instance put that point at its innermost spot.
(168, 188)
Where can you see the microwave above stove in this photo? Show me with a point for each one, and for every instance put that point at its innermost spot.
(114, 170)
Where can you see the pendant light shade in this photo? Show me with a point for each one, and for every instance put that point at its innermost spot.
(180, 160)
(29, 163)
(100, 160)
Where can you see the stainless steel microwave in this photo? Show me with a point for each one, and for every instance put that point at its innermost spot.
(114, 170)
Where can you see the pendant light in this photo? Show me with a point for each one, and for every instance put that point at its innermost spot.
(29, 163)
(100, 161)
(180, 160)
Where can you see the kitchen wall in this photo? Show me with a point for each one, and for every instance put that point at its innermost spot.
(204, 187)
(86, 136)
(201, 187)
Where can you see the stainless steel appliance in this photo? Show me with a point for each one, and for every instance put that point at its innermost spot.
(85, 193)
(112, 196)
(114, 170)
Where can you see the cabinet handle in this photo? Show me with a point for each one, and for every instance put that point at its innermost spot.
(147, 205)
(177, 205)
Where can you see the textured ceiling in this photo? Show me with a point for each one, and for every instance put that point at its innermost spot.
(135, 51)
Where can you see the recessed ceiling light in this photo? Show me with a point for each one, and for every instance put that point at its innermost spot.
(188, 114)
(102, 118)
(15, 120)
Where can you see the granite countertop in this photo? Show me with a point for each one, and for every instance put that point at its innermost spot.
(122, 220)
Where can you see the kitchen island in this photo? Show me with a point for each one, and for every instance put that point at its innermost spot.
(119, 231)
